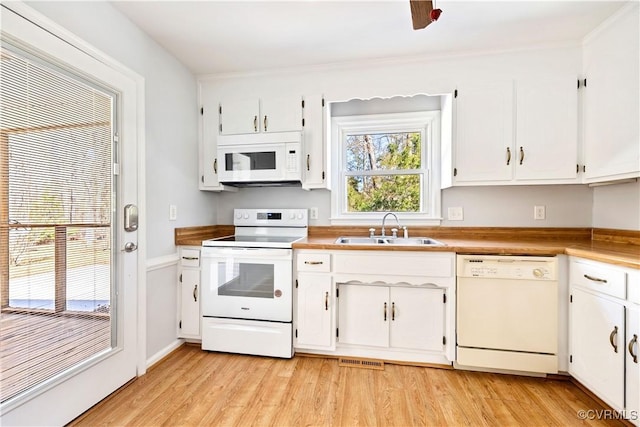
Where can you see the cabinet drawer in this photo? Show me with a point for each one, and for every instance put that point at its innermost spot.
(190, 257)
(598, 277)
(314, 262)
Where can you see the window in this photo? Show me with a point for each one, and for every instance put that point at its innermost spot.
(386, 163)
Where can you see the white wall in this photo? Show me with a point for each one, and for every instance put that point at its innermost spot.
(171, 126)
(500, 206)
(617, 206)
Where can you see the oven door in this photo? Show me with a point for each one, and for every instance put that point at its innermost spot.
(247, 283)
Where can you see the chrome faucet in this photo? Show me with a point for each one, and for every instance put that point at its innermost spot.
(384, 218)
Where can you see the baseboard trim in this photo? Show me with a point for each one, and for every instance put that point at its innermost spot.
(164, 352)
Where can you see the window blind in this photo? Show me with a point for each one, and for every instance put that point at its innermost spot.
(55, 216)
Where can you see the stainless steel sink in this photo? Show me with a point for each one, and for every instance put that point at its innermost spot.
(379, 240)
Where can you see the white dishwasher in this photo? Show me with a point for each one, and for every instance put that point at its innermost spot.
(507, 313)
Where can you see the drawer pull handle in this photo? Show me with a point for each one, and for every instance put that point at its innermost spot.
(393, 311)
(632, 343)
(195, 293)
(308, 161)
(314, 262)
(595, 279)
(613, 336)
(385, 311)
(190, 258)
(326, 301)
(215, 165)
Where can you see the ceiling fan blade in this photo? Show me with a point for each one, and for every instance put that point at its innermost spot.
(421, 13)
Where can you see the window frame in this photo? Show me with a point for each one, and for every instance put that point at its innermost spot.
(425, 122)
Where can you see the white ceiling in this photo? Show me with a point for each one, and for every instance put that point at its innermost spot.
(218, 37)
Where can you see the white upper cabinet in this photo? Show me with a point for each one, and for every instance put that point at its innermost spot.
(521, 131)
(611, 105)
(208, 163)
(267, 114)
(484, 116)
(314, 163)
(546, 129)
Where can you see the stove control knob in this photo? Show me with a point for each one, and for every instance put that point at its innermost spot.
(299, 216)
(292, 215)
(239, 215)
(245, 216)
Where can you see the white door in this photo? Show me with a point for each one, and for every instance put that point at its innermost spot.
(547, 129)
(411, 310)
(484, 117)
(239, 116)
(281, 114)
(364, 314)
(598, 345)
(190, 303)
(59, 399)
(313, 312)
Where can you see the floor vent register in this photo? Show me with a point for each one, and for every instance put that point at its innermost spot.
(361, 363)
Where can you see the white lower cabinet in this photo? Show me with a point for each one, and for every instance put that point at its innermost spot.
(314, 311)
(189, 293)
(383, 316)
(376, 304)
(604, 326)
(632, 371)
(597, 345)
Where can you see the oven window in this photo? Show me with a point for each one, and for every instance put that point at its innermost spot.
(246, 280)
(265, 160)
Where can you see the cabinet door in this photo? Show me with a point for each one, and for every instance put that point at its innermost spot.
(314, 144)
(364, 315)
(595, 323)
(632, 370)
(547, 129)
(190, 303)
(484, 117)
(314, 310)
(239, 116)
(281, 114)
(611, 102)
(417, 318)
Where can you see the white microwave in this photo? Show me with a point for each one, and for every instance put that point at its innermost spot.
(260, 159)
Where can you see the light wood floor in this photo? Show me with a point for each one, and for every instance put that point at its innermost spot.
(193, 387)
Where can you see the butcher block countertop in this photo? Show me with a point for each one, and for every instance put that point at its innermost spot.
(619, 247)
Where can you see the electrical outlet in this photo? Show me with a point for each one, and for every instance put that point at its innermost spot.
(539, 212)
(313, 213)
(455, 214)
(173, 212)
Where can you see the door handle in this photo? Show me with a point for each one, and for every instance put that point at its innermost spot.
(633, 341)
(130, 247)
(612, 336)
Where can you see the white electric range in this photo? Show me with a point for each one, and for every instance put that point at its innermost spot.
(247, 283)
